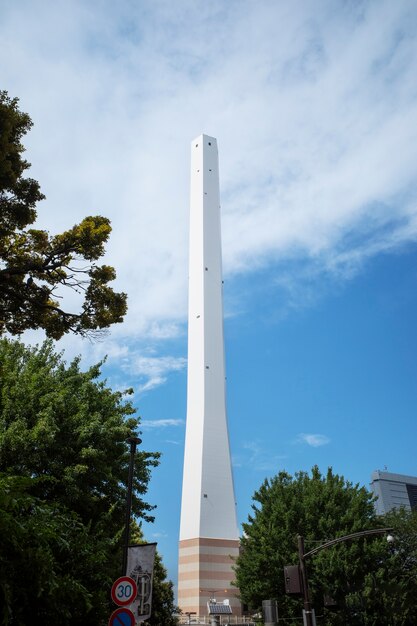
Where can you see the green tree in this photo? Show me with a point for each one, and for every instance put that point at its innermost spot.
(389, 595)
(319, 508)
(164, 609)
(63, 432)
(53, 570)
(34, 265)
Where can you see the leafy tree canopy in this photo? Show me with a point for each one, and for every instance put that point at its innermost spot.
(321, 508)
(164, 610)
(35, 267)
(53, 569)
(389, 595)
(63, 474)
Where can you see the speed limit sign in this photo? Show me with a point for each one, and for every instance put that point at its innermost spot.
(124, 590)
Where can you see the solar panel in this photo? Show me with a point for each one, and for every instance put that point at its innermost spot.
(219, 609)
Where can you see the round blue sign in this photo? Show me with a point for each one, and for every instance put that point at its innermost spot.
(122, 617)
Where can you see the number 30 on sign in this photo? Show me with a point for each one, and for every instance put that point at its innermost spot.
(124, 591)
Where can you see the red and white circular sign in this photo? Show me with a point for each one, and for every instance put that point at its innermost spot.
(124, 590)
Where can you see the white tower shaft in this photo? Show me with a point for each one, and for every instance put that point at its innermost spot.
(208, 512)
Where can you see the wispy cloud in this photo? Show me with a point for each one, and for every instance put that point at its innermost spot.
(164, 330)
(163, 423)
(325, 93)
(160, 535)
(155, 370)
(132, 364)
(314, 440)
(258, 457)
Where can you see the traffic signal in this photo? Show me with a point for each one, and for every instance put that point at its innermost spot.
(292, 580)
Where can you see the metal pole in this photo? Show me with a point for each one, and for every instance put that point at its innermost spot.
(362, 533)
(134, 441)
(308, 609)
(302, 556)
(270, 612)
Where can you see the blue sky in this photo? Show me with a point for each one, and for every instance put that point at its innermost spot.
(314, 108)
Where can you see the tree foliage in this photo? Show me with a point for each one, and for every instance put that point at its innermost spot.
(163, 607)
(37, 268)
(53, 570)
(389, 595)
(321, 508)
(63, 467)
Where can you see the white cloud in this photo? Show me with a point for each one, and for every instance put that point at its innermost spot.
(257, 456)
(314, 440)
(162, 423)
(159, 535)
(154, 369)
(313, 105)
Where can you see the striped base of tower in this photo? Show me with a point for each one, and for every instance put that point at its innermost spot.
(205, 572)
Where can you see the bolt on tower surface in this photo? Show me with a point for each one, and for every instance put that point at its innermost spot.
(209, 536)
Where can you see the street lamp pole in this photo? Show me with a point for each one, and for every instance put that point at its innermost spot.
(308, 610)
(302, 556)
(134, 441)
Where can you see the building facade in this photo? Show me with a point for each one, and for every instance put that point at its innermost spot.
(393, 491)
(209, 537)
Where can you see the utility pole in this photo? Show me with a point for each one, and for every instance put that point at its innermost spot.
(309, 617)
(308, 611)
